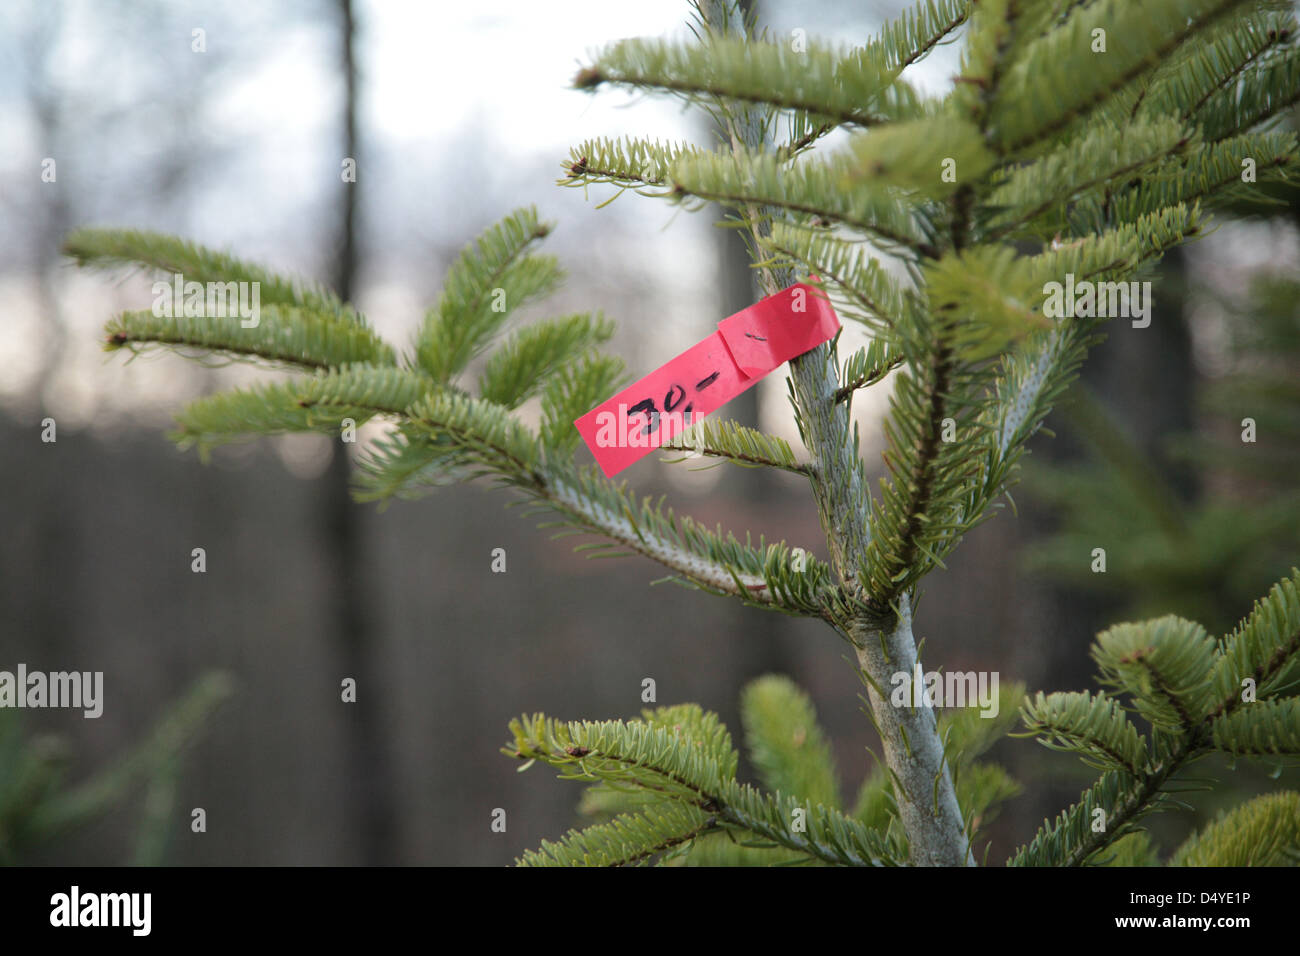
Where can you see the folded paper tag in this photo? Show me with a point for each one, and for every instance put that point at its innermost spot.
(747, 346)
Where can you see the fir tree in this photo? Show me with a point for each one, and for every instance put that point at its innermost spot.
(1079, 142)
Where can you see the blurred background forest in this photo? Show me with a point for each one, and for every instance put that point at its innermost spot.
(456, 114)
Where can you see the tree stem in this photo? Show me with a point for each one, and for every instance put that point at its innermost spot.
(913, 751)
(910, 736)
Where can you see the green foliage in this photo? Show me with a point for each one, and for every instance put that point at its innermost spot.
(993, 291)
(860, 287)
(1047, 158)
(1032, 197)
(1093, 726)
(319, 403)
(482, 287)
(738, 444)
(969, 732)
(38, 805)
(905, 156)
(168, 255)
(1132, 849)
(635, 164)
(1199, 696)
(841, 86)
(786, 746)
(916, 32)
(1059, 79)
(666, 788)
(628, 839)
(1164, 664)
(406, 464)
(535, 353)
(442, 433)
(867, 366)
(284, 335)
(1264, 647)
(1263, 832)
(583, 385)
(1206, 557)
(1268, 728)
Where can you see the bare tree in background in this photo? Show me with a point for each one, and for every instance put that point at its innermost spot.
(372, 795)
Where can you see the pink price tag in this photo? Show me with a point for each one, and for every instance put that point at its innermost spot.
(747, 346)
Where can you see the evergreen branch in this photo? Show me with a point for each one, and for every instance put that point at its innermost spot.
(669, 763)
(1032, 379)
(1095, 727)
(520, 366)
(1209, 61)
(627, 840)
(1249, 39)
(867, 366)
(320, 403)
(995, 292)
(764, 577)
(811, 187)
(857, 278)
(843, 87)
(283, 335)
(1264, 647)
(571, 393)
(802, 140)
(1264, 831)
(1070, 840)
(484, 285)
(636, 752)
(930, 157)
(926, 506)
(823, 833)
(726, 849)
(1041, 96)
(915, 32)
(407, 464)
(382, 390)
(1165, 664)
(903, 514)
(737, 444)
(484, 431)
(629, 163)
(1099, 157)
(1264, 728)
(1274, 86)
(994, 33)
(786, 744)
(446, 434)
(107, 248)
(1208, 173)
